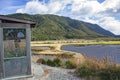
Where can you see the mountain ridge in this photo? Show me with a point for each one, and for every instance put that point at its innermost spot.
(52, 27)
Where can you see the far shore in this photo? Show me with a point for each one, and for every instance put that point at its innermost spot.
(53, 47)
(59, 43)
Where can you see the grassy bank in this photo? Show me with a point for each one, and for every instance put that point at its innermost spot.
(94, 69)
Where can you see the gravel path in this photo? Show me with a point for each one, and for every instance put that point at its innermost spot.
(59, 74)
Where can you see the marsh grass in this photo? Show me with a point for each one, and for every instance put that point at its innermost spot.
(99, 69)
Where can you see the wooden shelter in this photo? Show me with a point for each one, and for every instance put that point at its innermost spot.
(15, 51)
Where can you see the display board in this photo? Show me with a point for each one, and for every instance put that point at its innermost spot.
(15, 60)
(15, 50)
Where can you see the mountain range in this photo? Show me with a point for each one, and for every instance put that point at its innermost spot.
(54, 27)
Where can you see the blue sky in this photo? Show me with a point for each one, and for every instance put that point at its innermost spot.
(105, 13)
(100, 1)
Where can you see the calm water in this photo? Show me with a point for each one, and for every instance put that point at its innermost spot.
(99, 51)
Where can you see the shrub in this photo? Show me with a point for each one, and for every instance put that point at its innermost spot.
(85, 71)
(70, 65)
(109, 74)
(50, 62)
(42, 61)
(57, 62)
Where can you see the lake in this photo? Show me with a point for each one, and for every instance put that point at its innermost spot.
(98, 51)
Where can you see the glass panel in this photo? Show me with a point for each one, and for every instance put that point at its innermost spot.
(15, 60)
(16, 67)
(14, 42)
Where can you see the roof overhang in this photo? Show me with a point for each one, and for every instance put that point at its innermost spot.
(5, 19)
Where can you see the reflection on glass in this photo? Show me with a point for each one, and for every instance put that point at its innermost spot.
(14, 42)
(14, 48)
(16, 66)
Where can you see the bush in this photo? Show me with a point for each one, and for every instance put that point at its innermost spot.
(42, 61)
(50, 62)
(57, 62)
(84, 71)
(109, 74)
(70, 65)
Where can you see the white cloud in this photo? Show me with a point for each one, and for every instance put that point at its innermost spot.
(37, 7)
(87, 10)
(54, 7)
(111, 6)
(110, 23)
(33, 7)
(85, 7)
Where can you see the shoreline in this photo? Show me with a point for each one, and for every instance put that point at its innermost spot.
(55, 47)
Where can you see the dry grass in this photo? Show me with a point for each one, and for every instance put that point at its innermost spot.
(99, 69)
(103, 63)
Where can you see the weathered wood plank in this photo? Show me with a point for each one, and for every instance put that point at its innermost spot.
(28, 39)
(1, 51)
(15, 20)
(13, 25)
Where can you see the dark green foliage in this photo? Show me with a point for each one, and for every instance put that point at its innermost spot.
(50, 62)
(70, 65)
(52, 27)
(109, 74)
(57, 62)
(85, 71)
(90, 72)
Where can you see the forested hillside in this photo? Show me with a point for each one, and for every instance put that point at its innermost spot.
(52, 27)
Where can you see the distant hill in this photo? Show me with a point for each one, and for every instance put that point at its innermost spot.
(52, 27)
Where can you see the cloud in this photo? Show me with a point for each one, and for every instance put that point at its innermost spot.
(110, 23)
(86, 10)
(54, 7)
(33, 7)
(36, 7)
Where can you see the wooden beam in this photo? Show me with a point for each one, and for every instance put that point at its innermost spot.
(13, 25)
(2, 17)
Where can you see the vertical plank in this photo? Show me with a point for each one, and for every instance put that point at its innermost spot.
(28, 39)
(1, 51)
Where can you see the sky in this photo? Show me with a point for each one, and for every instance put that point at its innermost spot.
(105, 13)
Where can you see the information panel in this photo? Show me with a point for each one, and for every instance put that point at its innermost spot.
(15, 53)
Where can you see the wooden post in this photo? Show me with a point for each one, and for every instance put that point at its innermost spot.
(1, 51)
(28, 39)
